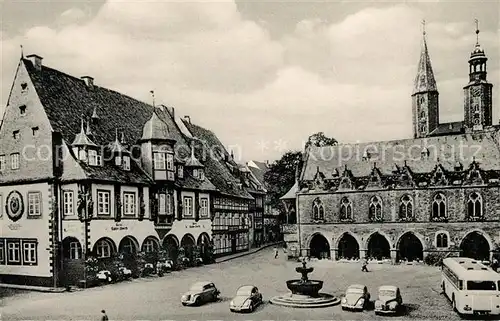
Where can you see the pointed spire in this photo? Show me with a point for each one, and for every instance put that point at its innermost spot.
(477, 31)
(122, 139)
(22, 52)
(81, 139)
(116, 146)
(478, 51)
(153, 96)
(193, 161)
(424, 81)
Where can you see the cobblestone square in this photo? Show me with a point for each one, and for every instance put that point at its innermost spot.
(159, 298)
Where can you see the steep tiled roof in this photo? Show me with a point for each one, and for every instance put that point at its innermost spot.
(66, 98)
(292, 193)
(448, 129)
(259, 174)
(216, 168)
(421, 156)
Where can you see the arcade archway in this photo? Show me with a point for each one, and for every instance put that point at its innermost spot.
(188, 243)
(348, 247)
(319, 247)
(475, 246)
(410, 248)
(204, 246)
(378, 247)
(171, 245)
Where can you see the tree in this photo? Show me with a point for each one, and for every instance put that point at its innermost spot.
(319, 140)
(281, 177)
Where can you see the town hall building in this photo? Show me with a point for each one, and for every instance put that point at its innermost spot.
(436, 193)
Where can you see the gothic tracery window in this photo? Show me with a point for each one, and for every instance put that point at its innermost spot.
(345, 209)
(318, 210)
(475, 206)
(375, 209)
(406, 208)
(439, 207)
(441, 240)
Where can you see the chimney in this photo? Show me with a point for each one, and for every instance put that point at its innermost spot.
(187, 118)
(36, 60)
(451, 126)
(89, 81)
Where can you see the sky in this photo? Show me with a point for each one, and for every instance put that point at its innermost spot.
(262, 75)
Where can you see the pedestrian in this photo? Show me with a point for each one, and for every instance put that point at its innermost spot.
(364, 265)
(494, 264)
(276, 252)
(104, 316)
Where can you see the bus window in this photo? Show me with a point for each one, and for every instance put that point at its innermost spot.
(481, 285)
(460, 285)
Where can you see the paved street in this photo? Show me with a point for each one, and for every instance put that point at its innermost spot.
(159, 298)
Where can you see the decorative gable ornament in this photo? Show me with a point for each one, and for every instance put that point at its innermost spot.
(346, 182)
(474, 175)
(375, 178)
(405, 178)
(439, 177)
(319, 180)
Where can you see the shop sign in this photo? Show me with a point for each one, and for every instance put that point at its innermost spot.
(119, 227)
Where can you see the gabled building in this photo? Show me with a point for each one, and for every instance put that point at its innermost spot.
(87, 171)
(433, 195)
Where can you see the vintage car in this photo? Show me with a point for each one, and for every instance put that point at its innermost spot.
(356, 298)
(389, 300)
(247, 299)
(199, 293)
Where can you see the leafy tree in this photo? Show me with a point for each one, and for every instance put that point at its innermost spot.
(319, 140)
(281, 176)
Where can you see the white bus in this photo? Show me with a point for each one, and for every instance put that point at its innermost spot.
(472, 287)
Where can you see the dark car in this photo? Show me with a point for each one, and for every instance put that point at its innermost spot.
(200, 293)
(356, 298)
(247, 299)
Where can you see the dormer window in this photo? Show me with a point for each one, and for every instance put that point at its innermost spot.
(180, 171)
(126, 163)
(22, 110)
(82, 155)
(34, 130)
(170, 162)
(15, 134)
(159, 160)
(195, 173)
(24, 87)
(118, 160)
(201, 174)
(93, 158)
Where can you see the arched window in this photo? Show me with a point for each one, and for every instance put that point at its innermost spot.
(345, 209)
(441, 240)
(375, 209)
(318, 210)
(406, 208)
(103, 249)
(150, 245)
(439, 207)
(475, 205)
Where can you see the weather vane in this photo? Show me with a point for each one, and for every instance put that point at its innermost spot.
(22, 51)
(477, 30)
(423, 27)
(153, 96)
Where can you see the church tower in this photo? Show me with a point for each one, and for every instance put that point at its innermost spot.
(425, 97)
(478, 92)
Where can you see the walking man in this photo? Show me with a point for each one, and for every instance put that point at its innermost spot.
(104, 316)
(364, 266)
(276, 252)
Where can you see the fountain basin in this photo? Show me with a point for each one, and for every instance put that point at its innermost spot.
(309, 288)
(322, 300)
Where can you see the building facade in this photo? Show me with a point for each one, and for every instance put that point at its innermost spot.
(79, 178)
(437, 193)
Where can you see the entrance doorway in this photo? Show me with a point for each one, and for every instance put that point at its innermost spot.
(319, 247)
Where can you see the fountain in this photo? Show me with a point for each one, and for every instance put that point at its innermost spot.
(305, 292)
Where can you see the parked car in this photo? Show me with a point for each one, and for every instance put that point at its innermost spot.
(389, 300)
(199, 293)
(247, 299)
(356, 298)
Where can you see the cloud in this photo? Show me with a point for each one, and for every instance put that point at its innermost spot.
(351, 79)
(73, 15)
